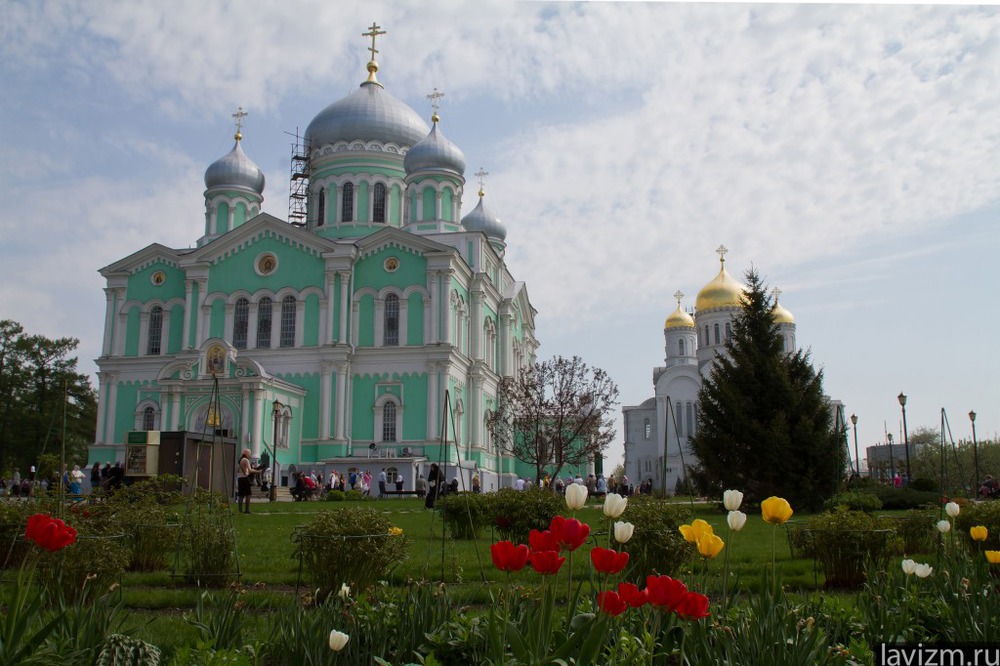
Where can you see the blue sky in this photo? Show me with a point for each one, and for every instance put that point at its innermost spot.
(848, 152)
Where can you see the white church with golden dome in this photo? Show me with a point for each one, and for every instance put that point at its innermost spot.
(693, 340)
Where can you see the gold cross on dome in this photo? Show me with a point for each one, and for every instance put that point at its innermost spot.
(678, 295)
(777, 294)
(722, 250)
(239, 116)
(434, 97)
(481, 175)
(374, 31)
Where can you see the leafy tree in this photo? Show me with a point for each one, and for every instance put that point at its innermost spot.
(764, 425)
(40, 388)
(554, 413)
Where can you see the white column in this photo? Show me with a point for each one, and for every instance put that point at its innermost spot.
(275, 323)
(473, 409)
(355, 310)
(341, 398)
(143, 333)
(437, 205)
(232, 214)
(102, 406)
(189, 307)
(300, 318)
(326, 311)
(427, 320)
(404, 308)
(252, 326)
(258, 411)
(246, 426)
(505, 344)
(227, 326)
(203, 312)
(109, 413)
(109, 321)
(476, 332)
(435, 309)
(175, 412)
(432, 401)
(325, 382)
(345, 279)
(379, 321)
(446, 301)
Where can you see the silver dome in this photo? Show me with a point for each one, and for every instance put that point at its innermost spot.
(435, 153)
(368, 114)
(235, 170)
(482, 219)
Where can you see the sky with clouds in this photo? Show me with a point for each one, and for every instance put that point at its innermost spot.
(848, 152)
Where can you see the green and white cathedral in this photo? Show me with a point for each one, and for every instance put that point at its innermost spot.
(336, 336)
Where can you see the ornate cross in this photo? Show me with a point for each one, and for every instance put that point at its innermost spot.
(239, 115)
(434, 97)
(678, 295)
(777, 294)
(722, 250)
(481, 175)
(374, 32)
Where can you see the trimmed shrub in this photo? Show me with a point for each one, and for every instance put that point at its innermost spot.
(465, 514)
(335, 496)
(845, 543)
(207, 540)
(904, 498)
(516, 513)
(915, 530)
(983, 513)
(656, 546)
(924, 484)
(351, 546)
(854, 501)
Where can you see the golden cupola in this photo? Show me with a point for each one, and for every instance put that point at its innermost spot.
(722, 292)
(678, 318)
(781, 315)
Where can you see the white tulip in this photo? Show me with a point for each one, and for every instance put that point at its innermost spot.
(952, 509)
(923, 570)
(732, 499)
(614, 505)
(623, 531)
(736, 520)
(909, 566)
(338, 640)
(576, 496)
(345, 591)
(943, 526)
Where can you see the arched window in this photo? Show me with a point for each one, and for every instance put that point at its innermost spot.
(155, 330)
(391, 331)
(264, 323)
(241, 322)
(680, 346)
(149, 419)
(706, 335)
(647, 429)
(389, 421)
(321, 208)
(729, 331)
(287, 322)
(378, 207)
(679, 419)
(347, 203)
(716, 331)
(690, 419)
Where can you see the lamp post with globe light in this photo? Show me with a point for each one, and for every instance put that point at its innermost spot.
(975, 453)
(857, 456)
(906, 437)
(273, 490)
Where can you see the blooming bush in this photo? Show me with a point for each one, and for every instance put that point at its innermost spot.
(657, 546)
(514, 514)
(846, 543)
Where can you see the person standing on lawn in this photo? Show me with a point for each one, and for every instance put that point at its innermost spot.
(381, 483)
(243, 487)
(434, 481)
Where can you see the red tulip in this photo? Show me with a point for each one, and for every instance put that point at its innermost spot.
(546, 562)
(508, 557)
(543, 540)
(664, 592)
(631, 595)
(611, 603)
(569, 532)
(693, 606)
(49, 533)
(608, 561)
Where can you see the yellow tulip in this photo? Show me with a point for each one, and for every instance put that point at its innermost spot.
(979, 533)
(695, 530)
(395, 531)
(775, 510)
(710, 545)
(993, 556)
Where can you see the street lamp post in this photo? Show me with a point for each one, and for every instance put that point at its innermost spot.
(892, 460)
(975, 454)
(906, 437)
(857, 457)
(273, 490)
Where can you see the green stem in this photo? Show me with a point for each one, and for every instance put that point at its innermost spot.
(725, 573)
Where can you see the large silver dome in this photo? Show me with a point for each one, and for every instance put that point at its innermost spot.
(235, 170)
(367, 114)
(435, 153)
(482, 219)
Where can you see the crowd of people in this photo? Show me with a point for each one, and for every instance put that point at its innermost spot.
(106, 477)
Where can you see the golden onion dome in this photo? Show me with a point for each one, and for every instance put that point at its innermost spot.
(722, 292)
(679, 319)
(781, 315)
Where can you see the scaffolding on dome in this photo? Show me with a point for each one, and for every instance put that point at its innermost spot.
(298, 187)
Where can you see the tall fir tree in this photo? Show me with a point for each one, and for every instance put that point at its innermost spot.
(764, 425)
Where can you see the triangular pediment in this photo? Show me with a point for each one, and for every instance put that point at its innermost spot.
(143, 258)
(392, 237)
(261, 226)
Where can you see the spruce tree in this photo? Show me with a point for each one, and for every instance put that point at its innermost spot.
(764, 425)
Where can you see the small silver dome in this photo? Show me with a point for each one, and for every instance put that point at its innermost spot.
(435, 153)
(482, 219)
(235, 170)
(368, 114)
